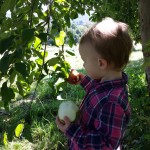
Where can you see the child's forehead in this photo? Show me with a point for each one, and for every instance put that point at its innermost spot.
(87, 49)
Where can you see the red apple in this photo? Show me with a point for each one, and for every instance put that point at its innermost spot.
(74, 77)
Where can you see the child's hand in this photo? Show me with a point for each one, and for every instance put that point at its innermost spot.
(63, 125)
(74, 77)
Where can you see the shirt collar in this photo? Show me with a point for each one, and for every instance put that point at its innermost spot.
(113, 83)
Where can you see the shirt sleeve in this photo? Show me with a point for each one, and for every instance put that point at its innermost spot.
(86, 83)
(109, 127)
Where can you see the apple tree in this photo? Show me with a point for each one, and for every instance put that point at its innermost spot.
(25, 28)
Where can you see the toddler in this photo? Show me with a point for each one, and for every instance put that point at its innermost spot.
(105, 110)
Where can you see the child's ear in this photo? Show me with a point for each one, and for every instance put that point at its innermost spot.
(102, 63)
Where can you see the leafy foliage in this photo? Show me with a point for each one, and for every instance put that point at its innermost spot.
(138, 135)
(123, 11)
(23, 37)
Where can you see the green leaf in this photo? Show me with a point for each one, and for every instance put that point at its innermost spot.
(44, 54)
(5, 140)
(21, 68)
(46, 68)
(4, 63)
(32, 65)
(70, 53)
(19, 129)
(18, 54)
(12, 77)
(27, 34)
(37, 44)
(71, 40)
(6, 43)
(7, 25)
(53, 61)
(37, 53)
(60, 1)
(39, 61)
(43, 37)
(7, 94)
(65, 73)
(67, 18)
(7, 5)
(31, 77)
(59, 40)
(66, 65)
(20, 88)
(74, 14)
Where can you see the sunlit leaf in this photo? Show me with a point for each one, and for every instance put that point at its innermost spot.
(59, 40)
(60, 1)
(19, 129)
(44, 54)
(37, 44)
(65, 73)
(66, 65)
(5, 140)
(39, 61)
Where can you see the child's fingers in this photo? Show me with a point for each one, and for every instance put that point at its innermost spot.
(67, 120)
(74, 77)
(58, 121)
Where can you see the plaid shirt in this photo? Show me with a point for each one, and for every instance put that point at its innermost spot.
(105, 113)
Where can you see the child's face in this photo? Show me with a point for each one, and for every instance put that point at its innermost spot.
(90, 58)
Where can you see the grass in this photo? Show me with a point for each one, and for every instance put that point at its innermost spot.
(41, 117)
(137, 136)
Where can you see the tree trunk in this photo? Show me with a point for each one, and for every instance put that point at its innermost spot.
(144, 13)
